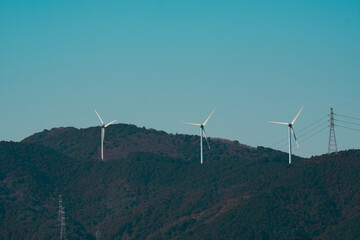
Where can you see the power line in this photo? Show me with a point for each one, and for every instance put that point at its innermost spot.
(347, 122)
(314, 123)
(308, 132)
(358, 124)
(346, 116)
(280, 141)
(301, 130)
(322, 129)
(313, 129)
(347, 127)
(314, 134)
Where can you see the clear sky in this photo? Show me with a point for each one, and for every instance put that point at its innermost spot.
(157, 63)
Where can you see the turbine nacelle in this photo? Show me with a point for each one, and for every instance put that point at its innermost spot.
(103, 126)
(291, 131)
(202, 131)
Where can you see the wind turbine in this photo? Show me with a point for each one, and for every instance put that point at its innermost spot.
(103, 126)
(202, 130)
(290, 125)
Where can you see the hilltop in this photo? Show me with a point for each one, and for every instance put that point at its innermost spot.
(152, 186)
(124, 139)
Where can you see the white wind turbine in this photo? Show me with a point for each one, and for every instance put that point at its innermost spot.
(290, 125)
(202, 130)
(103, 126)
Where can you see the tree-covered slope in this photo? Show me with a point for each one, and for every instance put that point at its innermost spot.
(31, 177)
(123, 139)
(146, 191)
(317, 197)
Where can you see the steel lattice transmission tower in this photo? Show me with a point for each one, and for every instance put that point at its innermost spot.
(62, 219)
(332, 140)
(60, 207)
(98, 234)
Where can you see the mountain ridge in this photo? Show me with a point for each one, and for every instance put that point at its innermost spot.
(240, 192)
(123, 139)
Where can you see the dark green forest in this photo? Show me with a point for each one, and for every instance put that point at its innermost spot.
(152, 186)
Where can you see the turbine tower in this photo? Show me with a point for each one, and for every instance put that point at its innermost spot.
(202, 131)
(103, 126)
(291, 130)
(332, 140)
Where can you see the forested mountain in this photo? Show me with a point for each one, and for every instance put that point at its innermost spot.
(123, 139)
(152, 186)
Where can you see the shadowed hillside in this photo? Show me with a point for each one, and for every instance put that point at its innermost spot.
(31, 176)
(153, 187)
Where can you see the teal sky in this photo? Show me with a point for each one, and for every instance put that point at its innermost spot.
(157, 63)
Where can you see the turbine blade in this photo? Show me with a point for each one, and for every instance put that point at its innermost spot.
(293, 132)
(297, 115)
(209, 117)
(195, 124)
(110, 123)
(206, 138)
(99, 117)
(279, 123)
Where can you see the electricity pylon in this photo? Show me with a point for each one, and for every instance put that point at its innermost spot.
(62, 219)
(332, 140)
